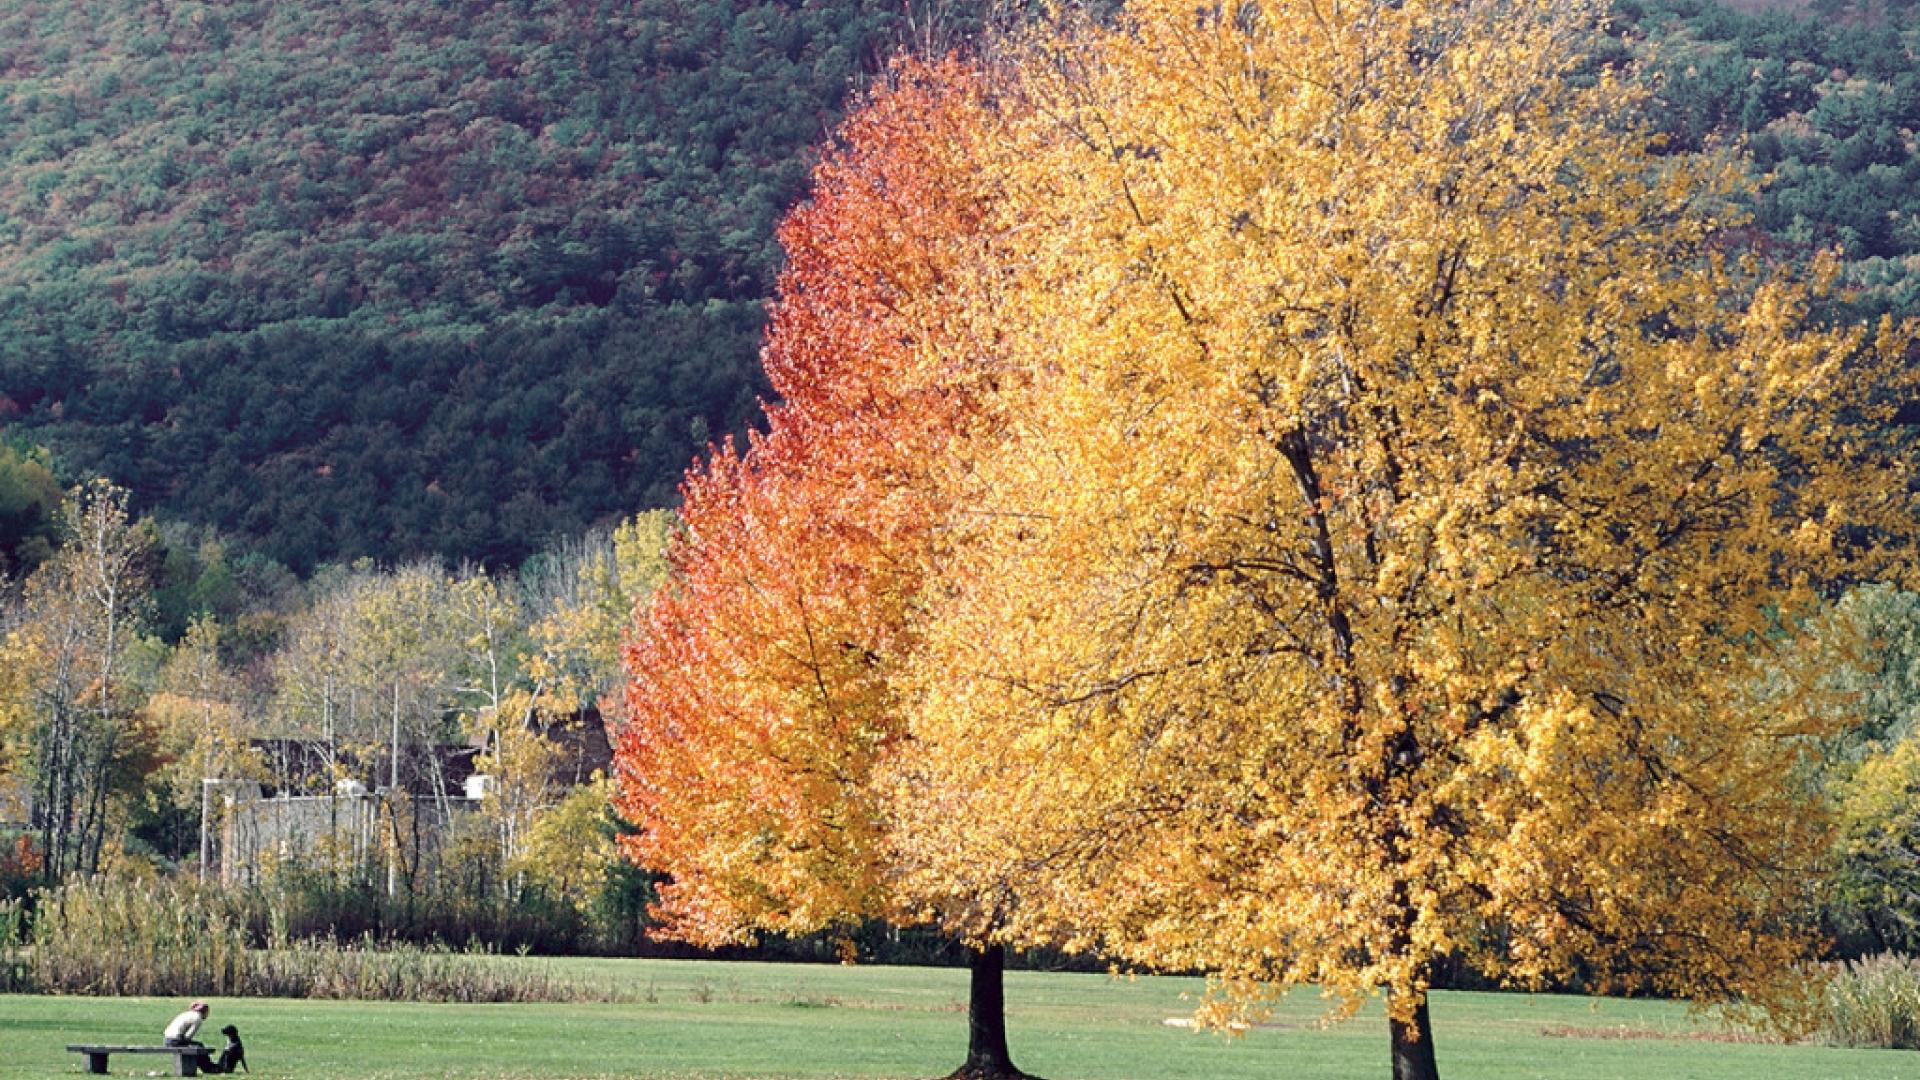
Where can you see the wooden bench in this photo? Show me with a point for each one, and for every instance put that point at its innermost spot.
(186, 1059)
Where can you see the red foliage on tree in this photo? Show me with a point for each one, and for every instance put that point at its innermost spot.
(759, 693)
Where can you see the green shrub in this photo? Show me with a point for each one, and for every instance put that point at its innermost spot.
(14, 975)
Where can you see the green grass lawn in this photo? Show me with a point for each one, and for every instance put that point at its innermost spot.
(699, 1019)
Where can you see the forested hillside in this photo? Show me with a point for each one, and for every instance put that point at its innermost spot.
(370, 277)
(1825, 103)
(367, 277)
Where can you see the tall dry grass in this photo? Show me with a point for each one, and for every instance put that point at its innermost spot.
(126, 938)
(158, 938)
(1872, 1002)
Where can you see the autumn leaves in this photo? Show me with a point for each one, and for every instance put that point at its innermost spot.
(1293, 491)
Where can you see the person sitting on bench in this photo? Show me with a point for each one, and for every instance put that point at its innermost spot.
(183, 1029)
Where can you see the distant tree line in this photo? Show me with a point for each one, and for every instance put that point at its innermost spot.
(138, 661)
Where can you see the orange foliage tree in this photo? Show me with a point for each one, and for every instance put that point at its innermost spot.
(761, 700)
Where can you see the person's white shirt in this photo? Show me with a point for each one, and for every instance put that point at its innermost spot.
(184, 1026)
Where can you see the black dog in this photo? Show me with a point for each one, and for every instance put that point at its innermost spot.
(235, 1055)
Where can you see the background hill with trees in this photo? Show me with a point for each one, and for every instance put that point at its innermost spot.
(1825, 102)
(377, 278)
(366, 278)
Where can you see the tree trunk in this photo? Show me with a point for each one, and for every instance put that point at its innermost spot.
(46, 793)
(393, 793)
(1413, 1046)
(93, 838)
(987, 1055)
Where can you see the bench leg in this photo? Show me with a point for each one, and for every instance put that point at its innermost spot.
(186, 1064)
(97, 1064)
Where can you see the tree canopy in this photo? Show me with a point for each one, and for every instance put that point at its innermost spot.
(29, 510)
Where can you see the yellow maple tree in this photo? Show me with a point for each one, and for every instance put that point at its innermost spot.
(1401, 495)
